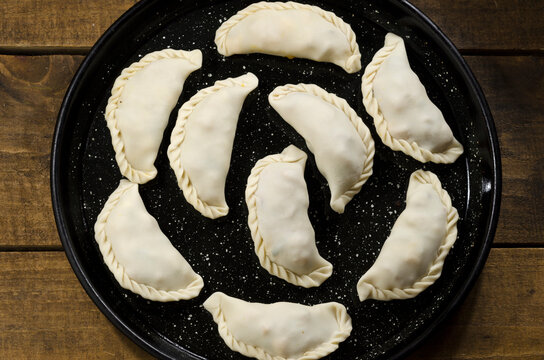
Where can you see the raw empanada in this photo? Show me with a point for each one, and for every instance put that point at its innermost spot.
(279, 331)
(139, 255)
(141, 101)
(404, 116)
(201, 142)
(340, 141)
(277, 200)
(290, 29)
(412, 257)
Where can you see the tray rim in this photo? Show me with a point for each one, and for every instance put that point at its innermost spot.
(61, 219)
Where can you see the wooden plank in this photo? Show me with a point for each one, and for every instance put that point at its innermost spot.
(53, 24)
(513, 87)
(31, 91)
(33, 88)
(488, 24)
(45, 314)
(502, 317)
(471, 24)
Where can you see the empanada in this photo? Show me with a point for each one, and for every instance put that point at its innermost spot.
(136, 251)
(334, 133)
(279, 331)
(201, 142)
(405, 118)
(141, 101)
(412, 257)
(277, 200)
(292, 30)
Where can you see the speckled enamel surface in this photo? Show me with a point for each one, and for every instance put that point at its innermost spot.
(221, 250)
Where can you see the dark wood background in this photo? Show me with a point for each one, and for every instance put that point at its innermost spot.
(44, 311)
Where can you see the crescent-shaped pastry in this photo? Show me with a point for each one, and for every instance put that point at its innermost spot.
(136, 251)
(279, 331)
(334, 133)
(412, 257)
(277, 200)
(292, 30)
(405, 118)
(141, 101)
(201, 142)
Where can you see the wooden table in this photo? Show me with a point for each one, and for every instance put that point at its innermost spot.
(44, 311)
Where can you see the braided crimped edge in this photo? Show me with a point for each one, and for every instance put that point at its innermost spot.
(213, 305)
(118, 270)
(291, 154)
(178, 136)
(133, 174)
(353, 63)
(355, 120)
(435, 270)
(372, 107)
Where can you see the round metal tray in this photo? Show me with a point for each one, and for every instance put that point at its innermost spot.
(84, 174)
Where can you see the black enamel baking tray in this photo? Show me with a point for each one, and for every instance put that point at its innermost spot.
(84, 173)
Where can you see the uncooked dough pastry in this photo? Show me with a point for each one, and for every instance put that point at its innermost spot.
(277, 200)
(141, 101)
(279, 331)
(292, 30)
(412, 257)
(405, 118)
(136, 251)
(201, 142)
(340, 141)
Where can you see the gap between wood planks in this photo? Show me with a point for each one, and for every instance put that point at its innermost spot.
(30, 248)
(84, 50)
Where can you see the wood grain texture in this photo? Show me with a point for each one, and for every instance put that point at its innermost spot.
(488, 24)
(514, 89)
(471, 24)
(502, 317)
(31, 91)
(33, 88)
(45, 313)
(46, 24)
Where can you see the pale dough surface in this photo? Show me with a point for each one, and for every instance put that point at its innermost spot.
(141, 101)
(404, 116)
(277, 201)
(412, 257)
(338, 138)
(290, 29)
(279, 331)
(201, 142)
(137, 252)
